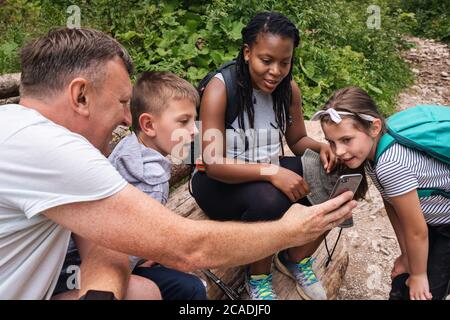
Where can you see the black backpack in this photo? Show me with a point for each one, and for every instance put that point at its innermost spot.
(228, 70)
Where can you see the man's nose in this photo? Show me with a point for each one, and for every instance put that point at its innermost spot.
(127, 116)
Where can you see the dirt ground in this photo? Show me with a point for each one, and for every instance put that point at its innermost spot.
(371, 242)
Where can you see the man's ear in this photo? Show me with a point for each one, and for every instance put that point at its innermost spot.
(80, 91)
(147, 124)
(376, 127)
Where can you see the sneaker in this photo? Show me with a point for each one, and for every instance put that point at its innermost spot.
(259, 287)
(308, 286)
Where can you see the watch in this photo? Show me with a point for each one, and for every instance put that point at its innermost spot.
(98, 295)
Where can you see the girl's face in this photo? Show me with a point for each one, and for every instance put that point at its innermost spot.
(351, 144)
(269, 60)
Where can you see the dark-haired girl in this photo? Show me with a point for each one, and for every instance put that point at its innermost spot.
(244, 177)
(353, 125)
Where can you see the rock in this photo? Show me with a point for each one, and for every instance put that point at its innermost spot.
(444, 74)
(9, 85)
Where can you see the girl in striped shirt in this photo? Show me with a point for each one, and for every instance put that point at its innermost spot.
(353, 126)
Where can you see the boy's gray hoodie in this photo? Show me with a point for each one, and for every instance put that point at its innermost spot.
(143, 167)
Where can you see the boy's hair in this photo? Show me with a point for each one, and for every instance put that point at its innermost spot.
(355, 100)
(154, 90)
(50, 62)
(265, 23)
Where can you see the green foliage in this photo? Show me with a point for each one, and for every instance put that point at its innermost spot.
(432, 18)
(193, 37)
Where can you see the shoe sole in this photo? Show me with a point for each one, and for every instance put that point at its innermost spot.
(280, 267)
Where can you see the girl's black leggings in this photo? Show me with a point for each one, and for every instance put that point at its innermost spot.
(252, 201)
(438, 266)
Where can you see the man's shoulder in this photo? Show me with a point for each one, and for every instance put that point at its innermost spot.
(14, 118)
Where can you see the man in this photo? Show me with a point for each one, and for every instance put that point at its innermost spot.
(54, 180)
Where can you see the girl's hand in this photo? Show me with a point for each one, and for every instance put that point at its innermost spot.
(290, 183)
(327, 157)
(419, 288)
(400, 266)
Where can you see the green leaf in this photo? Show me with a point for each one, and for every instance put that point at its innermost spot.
(235, 33)
(374, 89)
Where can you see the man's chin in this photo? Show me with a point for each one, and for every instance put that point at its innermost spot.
(107, 149)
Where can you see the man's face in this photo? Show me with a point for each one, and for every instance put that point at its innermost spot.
(110, 106)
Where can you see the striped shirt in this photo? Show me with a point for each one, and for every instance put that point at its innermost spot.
(400, 170)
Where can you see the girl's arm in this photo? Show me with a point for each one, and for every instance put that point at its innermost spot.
(296, 135)
(401, 263)
(396, 226)
(412, 221)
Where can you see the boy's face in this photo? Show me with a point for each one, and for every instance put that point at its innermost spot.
(175, 128)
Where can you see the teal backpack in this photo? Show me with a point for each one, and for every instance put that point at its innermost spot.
(425, 128)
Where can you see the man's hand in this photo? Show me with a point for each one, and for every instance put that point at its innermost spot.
(312, 222)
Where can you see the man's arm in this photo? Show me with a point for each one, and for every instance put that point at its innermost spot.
(136, 224)
(102, 269)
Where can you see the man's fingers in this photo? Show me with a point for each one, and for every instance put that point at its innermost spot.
(335, 203)
(339, 215)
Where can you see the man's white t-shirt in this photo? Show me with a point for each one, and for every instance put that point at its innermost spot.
(42, 165)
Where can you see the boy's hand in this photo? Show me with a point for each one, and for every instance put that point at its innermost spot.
(400, 266)
(419, 288)
(327, 157)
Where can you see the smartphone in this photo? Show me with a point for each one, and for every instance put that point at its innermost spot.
(346, 182)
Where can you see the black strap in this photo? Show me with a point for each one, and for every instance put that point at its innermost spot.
(228, 71)
(229, 292)
(332, 251)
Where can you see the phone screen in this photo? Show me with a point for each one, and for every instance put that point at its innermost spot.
(347, 182)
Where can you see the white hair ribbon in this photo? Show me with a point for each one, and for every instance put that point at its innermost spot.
(335, 115)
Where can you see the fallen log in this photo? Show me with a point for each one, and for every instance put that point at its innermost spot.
(9, 100)
(9, 85)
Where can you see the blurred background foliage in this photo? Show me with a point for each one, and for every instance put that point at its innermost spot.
(191, 38)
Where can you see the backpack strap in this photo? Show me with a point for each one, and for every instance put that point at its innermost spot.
(432, 192)
(228, 71)
(385, 142)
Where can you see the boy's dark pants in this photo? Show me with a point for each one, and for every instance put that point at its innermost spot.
(438, 268)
